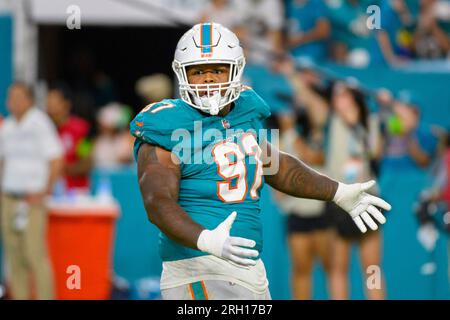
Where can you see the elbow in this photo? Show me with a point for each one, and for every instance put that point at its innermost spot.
(156, 205)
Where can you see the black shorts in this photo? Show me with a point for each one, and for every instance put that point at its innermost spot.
(344, 224)
(297, 224)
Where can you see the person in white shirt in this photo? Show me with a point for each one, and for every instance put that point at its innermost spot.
(31, 158)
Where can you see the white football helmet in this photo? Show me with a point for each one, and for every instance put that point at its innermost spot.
(209, 43)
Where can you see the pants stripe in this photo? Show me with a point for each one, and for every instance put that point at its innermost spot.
(198, 291)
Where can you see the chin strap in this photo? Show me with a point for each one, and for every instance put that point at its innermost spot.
(211, 104)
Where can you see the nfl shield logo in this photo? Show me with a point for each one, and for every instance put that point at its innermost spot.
(225, 123)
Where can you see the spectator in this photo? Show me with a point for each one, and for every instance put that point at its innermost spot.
(73, 132)
(91, 86)
(442, 13)
(221, 11)
(434, 198)
(408, 143)
(259, 29)
(439, 189)
(349, 159)
(308, 30)
(430, 41)
(31, 154)
(113, 146)
(154, 88)
(408, 149)
(350, 36)
(312, 94)
(309, 229)
(273, 84)
(394, 40)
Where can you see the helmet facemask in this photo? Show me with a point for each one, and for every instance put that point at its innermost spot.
(211, 97)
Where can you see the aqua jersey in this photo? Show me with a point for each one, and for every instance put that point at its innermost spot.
(220, 170)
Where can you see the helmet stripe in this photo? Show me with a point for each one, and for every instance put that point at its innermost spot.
(206, 38)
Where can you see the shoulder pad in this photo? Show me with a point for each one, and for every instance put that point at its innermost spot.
(156, 122)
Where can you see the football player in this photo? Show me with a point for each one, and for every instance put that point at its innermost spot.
(203, 194)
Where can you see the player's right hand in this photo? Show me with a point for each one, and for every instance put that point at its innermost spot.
(219, 243)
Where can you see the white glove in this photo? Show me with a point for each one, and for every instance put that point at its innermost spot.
(219, 243)
(361, 205)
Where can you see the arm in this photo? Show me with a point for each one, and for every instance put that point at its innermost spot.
(81, 167)
(159, 179)
(125, 155)
(441, 37)
(51, 148)
(292, 141)
(55, 171)
(379, 148)
(386, 48)
(310, 155)
(320, 31)
(429, 25)
(297, 179)
(276, 39)
(316, 106)
(419, 156)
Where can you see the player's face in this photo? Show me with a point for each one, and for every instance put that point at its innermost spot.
(208, 74)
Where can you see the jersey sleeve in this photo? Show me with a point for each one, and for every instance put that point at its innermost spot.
(154, 125)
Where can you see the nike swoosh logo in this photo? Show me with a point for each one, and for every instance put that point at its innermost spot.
(139, 124)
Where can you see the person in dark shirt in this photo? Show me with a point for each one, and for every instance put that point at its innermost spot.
(73, 132)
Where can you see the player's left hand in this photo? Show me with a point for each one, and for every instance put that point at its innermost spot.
(218, 242)
(361, 206)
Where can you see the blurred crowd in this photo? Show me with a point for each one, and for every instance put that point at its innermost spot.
(47, 151)
(353, 32)
(335, 125)
(283, 40)
(354, 135)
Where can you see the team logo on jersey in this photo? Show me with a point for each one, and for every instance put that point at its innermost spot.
(225, 124)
